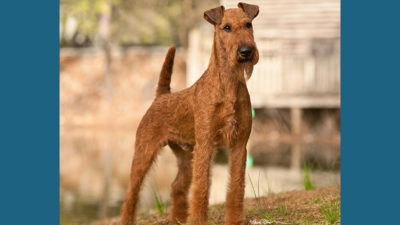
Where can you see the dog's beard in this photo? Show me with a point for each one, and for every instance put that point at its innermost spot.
(248, 69)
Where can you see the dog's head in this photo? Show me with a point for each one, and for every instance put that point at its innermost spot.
(234, 34)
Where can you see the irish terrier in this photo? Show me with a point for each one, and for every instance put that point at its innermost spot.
(215, 112)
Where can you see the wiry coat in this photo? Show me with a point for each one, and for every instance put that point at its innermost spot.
(213, 113)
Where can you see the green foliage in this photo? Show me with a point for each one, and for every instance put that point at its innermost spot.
(134, 21)
(308, 185)
(86, 12)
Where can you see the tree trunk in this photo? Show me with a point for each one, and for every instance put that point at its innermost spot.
(105, 20)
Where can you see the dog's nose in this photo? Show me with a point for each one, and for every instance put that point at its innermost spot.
(245, 51)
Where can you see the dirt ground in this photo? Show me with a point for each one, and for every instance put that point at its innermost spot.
(320, 206)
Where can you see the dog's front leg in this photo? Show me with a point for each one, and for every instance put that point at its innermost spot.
(235, 195)
(203, 155)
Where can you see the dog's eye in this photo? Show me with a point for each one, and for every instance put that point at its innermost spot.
(227, 28)
(249, 25)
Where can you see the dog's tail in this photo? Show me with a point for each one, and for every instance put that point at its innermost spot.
(166, 72)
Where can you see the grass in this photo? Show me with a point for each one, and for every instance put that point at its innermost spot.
(317, 200)
(261, 209)
(308, 185)
(282, 209)
(320, 206)
(331, 212)
(256, 196)
(159, 203)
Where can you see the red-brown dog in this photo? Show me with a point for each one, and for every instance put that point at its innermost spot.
(213, 113)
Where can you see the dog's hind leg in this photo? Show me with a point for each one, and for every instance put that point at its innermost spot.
(145, 153)
(181, 184)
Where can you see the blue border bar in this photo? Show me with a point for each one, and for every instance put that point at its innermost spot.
(370, 112)
(29, 106)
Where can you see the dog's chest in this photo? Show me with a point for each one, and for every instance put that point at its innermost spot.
(231, 120)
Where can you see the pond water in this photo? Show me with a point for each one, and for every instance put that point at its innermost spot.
(95, 164)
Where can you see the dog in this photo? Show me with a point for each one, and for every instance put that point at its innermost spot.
(215, 112)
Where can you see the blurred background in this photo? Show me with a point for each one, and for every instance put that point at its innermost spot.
(111, 52)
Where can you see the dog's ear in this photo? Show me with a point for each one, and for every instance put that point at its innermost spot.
(214, 16)
(250, 10)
